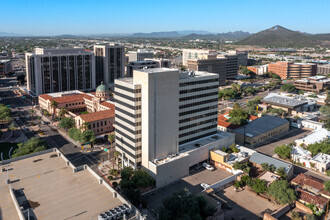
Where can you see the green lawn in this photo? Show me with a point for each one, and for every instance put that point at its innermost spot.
(5, 147)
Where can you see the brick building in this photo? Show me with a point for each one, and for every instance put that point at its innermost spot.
(292, 70)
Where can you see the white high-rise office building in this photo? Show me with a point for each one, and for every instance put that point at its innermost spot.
(59, 69)
(160, 112)
(109, 63)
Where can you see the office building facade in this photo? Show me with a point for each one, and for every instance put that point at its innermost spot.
(57, 70)
(323, 69)
(146, 64)
(160, 109)
(109, 63)
(188, 54)
(140, 55)
(5, 67)
(292, 70)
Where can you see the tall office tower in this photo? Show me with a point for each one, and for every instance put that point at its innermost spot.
(140, 55)
(231, 65)
(242, 56)
(57, 70)
(109, 63)
(160, 109)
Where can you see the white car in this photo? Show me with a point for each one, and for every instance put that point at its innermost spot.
(205, 186)
(208, 166)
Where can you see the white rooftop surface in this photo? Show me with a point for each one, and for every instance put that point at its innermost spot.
(316, 136)
(61, 193)
(61, 94)
(300, 152)
(322, 158)
(283, 100)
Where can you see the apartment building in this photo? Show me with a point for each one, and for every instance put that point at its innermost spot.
(292, 70)
(59, 69)
(259, 69)
(109, 63)
(313, 84)
(160, 112)
(140, 55)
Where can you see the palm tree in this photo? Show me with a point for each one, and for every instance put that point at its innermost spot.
(116, 155)
(111, 138)
(32, 112)
(62, 112)
(85, 125)
(53, 104)
(39, 121)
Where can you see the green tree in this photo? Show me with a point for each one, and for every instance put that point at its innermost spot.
(12, 127)
(320, 147)
(238, 116)
(127, 173)
(288, 88)
(227, 94)
(66, 123)
(62, 112)
(21, 79)
(281, 191)
(281, 172)
(74, 133)
(327, 185)
(283, 151)
(85, 125)
(184, 205)
(5, 113)
(54, 105)
(258, 186)
(87, 136)
(33, 145)
(249, 90)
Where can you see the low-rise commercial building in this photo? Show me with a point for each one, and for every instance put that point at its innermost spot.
(259, 70)
(224, 125)
(313, 84)
(140, 55)
(260, 130)
(292, 70)
(291, 105)
(314, 137)
(258, 159)
(5, 67)
(323, 69)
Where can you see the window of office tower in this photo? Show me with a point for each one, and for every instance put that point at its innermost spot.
(55, 83)
(64, 73)
(46, 74)
(88, 71)
(80, 71)
(71, 72)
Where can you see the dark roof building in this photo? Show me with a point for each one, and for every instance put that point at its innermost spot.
(260, 130)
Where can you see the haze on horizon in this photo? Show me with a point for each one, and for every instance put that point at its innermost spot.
(85, 17)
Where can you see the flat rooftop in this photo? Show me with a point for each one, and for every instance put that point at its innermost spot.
(283, 101)
(62, 194)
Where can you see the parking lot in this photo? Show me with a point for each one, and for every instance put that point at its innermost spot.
(191, 182)
(245, 204)
(293, 134)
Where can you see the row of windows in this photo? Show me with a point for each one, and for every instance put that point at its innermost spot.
(198, 110)
(198, 96)
(127, 136)
(128, 105)
(197, 117)
(196, 131)
(128, 121)
(127, 152)
(97, 124)
(127, 129)
(198, 89)
(78, 103)
(198, 137)
(127, 89)
(199, 82)
(127, 97)
(120, 140)
(127, 113)
(197, 124)
(198, 103)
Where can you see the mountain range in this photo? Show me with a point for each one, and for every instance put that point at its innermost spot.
(279, 36)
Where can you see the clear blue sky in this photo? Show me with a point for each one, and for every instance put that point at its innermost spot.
(53, 17)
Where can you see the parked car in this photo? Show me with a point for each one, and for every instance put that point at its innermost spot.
(205, 186)
(208, 166)
(45, 122)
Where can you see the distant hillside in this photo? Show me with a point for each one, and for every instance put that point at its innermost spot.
(279, 36)
(6, 34)
(322, 37)
(237, 35)
(167, 34)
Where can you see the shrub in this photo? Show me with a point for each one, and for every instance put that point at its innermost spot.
(114, 184)
(114, 172)
(110, 178)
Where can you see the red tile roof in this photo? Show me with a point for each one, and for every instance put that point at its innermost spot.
(64, 99)
(308, 181)
(310, 198)
(96, 116)
(108, 104)
(223, 121)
